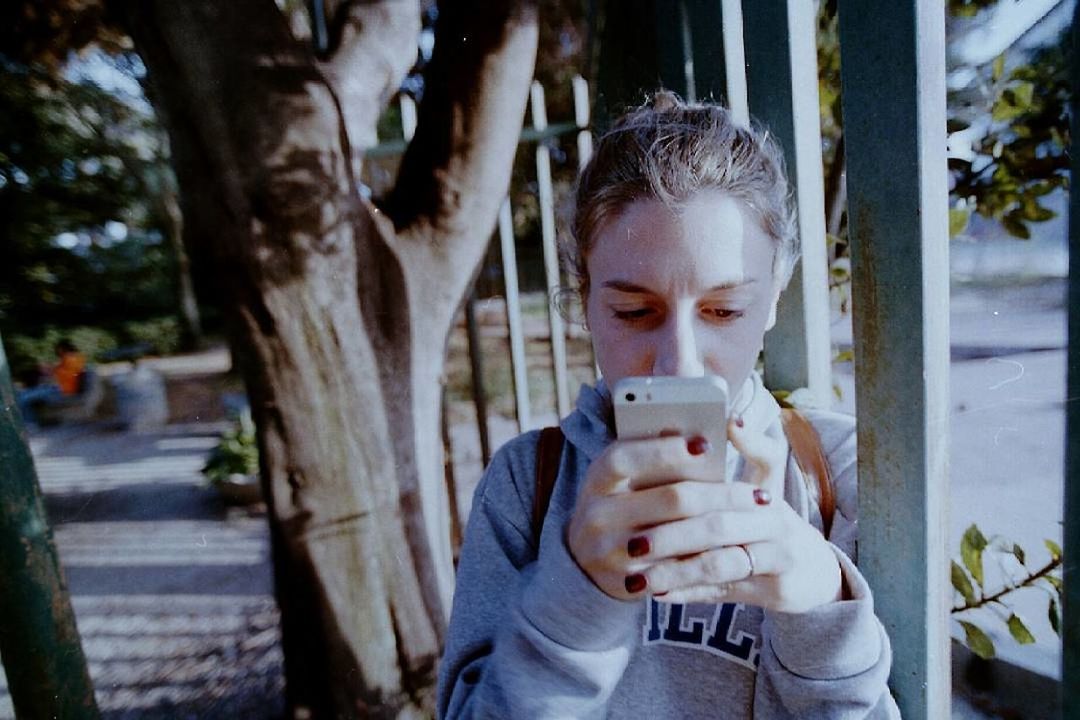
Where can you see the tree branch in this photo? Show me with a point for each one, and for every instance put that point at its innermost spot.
(1026, 582)
(456, 170)
(372, 46)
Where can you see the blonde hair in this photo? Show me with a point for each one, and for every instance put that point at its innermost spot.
(668, 150)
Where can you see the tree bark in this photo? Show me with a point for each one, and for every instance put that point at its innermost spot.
(340, 309)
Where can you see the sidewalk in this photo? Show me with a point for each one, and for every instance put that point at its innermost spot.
(172, 591)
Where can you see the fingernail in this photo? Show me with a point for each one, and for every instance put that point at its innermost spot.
(762, 496)
(698, 446)
(739, 422)
(637, 546)
(635, 583)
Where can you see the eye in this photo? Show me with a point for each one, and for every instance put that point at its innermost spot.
(632, 314)
(721, 313)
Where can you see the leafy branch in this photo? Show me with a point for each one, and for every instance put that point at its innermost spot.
(968, 579)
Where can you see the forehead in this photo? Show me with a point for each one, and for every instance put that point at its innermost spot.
(712, 239)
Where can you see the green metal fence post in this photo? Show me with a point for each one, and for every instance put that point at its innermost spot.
(893, 79)
(1070, 630)
(782, 87)
(39, 644)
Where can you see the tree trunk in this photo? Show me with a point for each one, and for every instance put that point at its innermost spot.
(340, 311)
(189, 304)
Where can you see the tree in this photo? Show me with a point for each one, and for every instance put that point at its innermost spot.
(340, 308)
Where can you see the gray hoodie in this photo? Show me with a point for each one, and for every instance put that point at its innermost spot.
(532, 637)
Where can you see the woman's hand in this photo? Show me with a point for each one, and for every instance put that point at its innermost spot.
(696, 540)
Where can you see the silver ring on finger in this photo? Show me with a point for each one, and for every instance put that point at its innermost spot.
(749, 559)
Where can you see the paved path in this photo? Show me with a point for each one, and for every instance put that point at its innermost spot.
(172, 591)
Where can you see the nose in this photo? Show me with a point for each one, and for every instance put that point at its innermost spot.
(678, 351)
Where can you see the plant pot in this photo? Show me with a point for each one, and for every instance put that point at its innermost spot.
(239, 489)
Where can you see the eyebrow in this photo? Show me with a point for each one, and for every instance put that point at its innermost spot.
(628, 287)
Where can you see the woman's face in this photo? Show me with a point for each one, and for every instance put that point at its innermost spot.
(687, 292)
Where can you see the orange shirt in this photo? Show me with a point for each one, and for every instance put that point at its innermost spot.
(67, 372)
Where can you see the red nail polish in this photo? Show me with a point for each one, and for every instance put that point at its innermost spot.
(739, 422)
(697, 446)
(635, 583)
(762, 496)
(637, 546)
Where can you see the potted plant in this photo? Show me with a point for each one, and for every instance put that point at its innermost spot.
(233, 466)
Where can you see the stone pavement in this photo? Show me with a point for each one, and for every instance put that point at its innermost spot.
(172, 591)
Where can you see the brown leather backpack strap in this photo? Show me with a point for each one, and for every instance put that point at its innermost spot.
(548, 454)
(806, 446)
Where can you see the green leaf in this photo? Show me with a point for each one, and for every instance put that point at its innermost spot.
(977, 640)
(844, 356)
(958, 221)
(1018, 553)
(1054, 616)
(1055, 582)
(1054, 548)
(1015, 227)
(1023, 93)
(1035, 212)
(998, 68)
(962, 584)
(1019, 630)
(971, 548)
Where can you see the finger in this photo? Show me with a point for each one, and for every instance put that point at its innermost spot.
(765, 456)
(712, 567)
(701, 533)
(643, 463)
(687, 498)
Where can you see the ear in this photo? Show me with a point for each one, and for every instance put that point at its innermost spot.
(772, 309)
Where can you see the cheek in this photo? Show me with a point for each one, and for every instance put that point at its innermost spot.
(620, 352)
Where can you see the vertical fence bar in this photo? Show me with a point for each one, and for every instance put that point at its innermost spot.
(674, 63)
(781, 77)
(39, 643)
(581, 119)
(706, 22)
(408, 116)
(457, 532)
(893, 80)
(551, 252)
(513, 317)
(735, 61)
(585, 149)
(716, 46)
(1070, 630)
(476, 369)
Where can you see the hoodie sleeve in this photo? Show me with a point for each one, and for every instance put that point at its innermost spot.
(833, 661)
(529, 637)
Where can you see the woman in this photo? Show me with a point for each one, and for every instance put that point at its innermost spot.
(691, 598)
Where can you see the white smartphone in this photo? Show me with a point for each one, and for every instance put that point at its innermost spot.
(647, 407)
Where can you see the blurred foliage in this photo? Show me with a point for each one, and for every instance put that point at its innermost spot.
(27, 351)
(80, 169)
(981, 602)
(44, 33)
(237, 453)
(1021, 156)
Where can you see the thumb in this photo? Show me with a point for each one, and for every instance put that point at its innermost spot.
(766, 457)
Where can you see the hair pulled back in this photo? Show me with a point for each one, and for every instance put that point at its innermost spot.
(668, 150)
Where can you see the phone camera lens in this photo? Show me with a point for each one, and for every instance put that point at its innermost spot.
(631, 397)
